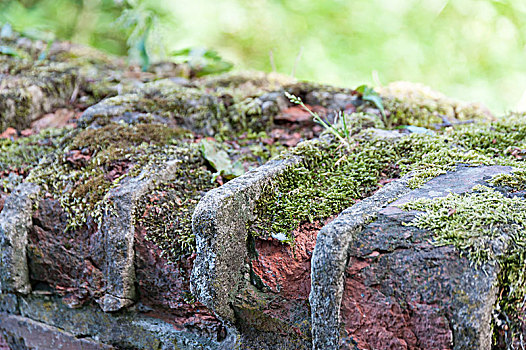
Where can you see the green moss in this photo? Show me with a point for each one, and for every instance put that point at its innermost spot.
(515, 180)
(124, 136)
(166, 213)
(332, 176)
(22, 154)
(471, 222)
(330, 179)
(91, 162)
(356, 122)
(478, 144)
(95, 160)
(479, 224)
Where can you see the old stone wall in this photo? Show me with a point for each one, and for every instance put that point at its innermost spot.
(147, 210)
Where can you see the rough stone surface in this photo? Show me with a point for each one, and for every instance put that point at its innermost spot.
(385, 285)
(163, 290)
(28, 334)
(185, 106)
(15, 221)
(412, 295)
(283, 269)
(273, 308)
(78, 277)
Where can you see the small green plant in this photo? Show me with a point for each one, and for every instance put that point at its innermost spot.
(139, 21)
(368, 94)
(342, 134)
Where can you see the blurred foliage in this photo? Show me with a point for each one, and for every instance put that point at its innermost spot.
(140, 21)
(202, 61)
(470, 49)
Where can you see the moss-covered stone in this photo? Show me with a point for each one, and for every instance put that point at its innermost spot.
(166, 213)
(486, 225)
(415, 104)
(223, 110)
(333, 176)
(38, 77)
(330, 179)
(356, 122)
(94, 160)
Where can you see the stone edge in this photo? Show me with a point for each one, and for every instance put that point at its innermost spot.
(219, 224)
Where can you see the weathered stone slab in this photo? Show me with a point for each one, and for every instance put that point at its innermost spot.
(131, 329)
(384, 284)
(15, 221)
(219, 222)
(24, 333)
(118, 230)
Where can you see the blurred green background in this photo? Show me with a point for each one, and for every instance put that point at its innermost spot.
(471, 49)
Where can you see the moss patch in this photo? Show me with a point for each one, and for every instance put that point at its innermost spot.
(124, 136)
(515, 180)
(329, 180)
(166, 213)
(21, 155)
(90, 162)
